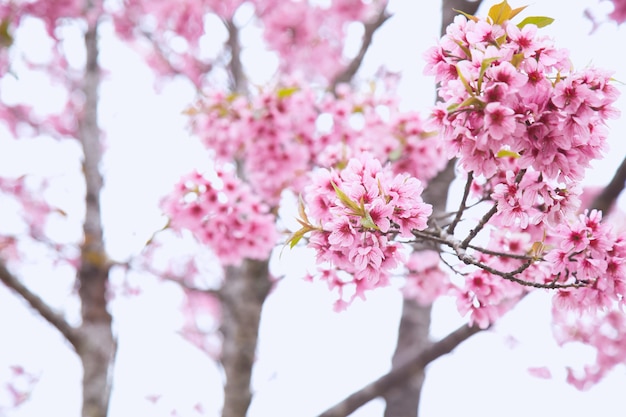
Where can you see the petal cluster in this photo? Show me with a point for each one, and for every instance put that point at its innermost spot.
(506, 88)
(360, 210)
(224, 214)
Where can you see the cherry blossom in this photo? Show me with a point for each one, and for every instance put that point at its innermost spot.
(364, 208)
(224, 214)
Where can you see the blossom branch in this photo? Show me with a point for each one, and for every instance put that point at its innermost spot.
(370, 28)
(463, 204)
(501, 254)
(460, 253)
(481, 224)
(485, 219)
(40, 306)
(605, 200)
(400, 374)
(237, 75)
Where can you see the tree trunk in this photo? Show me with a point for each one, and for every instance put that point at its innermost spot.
(403, 400)
(242, 295)
(96, 347)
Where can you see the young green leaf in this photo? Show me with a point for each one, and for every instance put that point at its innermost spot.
(6, 39)
(464, 81)
(483, 67)
(368, 222)
(499, 13)
(346, 201)
(468, 16)
(506, 153)
(539, 21)
(302, 211)
(286, 92)
(515, 12)
(517, 59)
(296, 237)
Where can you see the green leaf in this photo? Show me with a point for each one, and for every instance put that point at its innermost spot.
(539, 21)
(517, 59)
(464, 81)
(286, 92)
(346, 201)
(296, 237)
(368, 222)
(483, 67)
(465, 49)
(499, 13)
(502, 12)
(6, 39)
(468, 16)
(515, 12)
(395, 154)
(301, 210)
(506, 153)
(472, 101)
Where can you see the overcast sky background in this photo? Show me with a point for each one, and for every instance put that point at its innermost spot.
(309, 356)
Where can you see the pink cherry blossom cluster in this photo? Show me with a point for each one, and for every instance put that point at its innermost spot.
(224, 214)
(50, 12)
(356, 214)
(603, 331)
(425, 279)
(487, 296)
(507, 89)
(619, 11)
(618, 14)
(175, 30)
(589, 252)
(33, 208)
(525, 127)
(17, 389)
(270, 134)
(280, 134)
(309, 36)
(526, 198)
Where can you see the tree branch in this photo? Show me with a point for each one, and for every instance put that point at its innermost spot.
(605, 200)
(462, 204)
(40, 306)
(400, 374)
(370, 28)
(449, 8)
(237, 75)
(98, 347)
(242, 295)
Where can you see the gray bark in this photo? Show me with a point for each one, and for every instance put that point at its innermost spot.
(242, 296)
(608, 196)
(403, 400)
(97, 345)
(401, 374)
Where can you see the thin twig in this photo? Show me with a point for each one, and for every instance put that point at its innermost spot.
(481, 224)
(400, 374)
(605, 200)
(235, 67)
(503, 254)
(459, 252)
(462, 205)
(39, 305)
(483, 221)
(370, 28)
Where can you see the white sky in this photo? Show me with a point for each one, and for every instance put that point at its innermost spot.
(309, 357)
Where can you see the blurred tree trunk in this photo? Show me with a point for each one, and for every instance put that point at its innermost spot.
(242, 296)
(96, 347)
(244, 289)
(413, 335)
